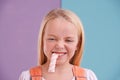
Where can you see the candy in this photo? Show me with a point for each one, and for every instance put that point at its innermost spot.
(53, 62)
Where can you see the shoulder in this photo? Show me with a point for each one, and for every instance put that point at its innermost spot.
(90, 74)
(35, 71)
(25, 75)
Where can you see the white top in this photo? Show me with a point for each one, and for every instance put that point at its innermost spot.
(25, 75)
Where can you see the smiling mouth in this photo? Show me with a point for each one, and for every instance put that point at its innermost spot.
(60, 53)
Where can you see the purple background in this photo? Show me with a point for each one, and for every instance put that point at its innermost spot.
(19, 26)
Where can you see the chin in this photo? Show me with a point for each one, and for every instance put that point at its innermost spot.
(61, 62)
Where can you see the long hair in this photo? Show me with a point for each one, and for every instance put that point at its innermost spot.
(71, 17)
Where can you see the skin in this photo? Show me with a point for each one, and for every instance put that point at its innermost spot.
(60, 37)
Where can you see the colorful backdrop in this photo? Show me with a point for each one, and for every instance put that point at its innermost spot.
(19, 26)
(101, 20)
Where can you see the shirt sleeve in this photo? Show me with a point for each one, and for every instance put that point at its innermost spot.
(90, 75)
(25, 75)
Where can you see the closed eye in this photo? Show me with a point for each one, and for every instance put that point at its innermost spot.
(51, 39)
(69, 40)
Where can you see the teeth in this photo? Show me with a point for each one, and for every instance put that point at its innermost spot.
(61, 54)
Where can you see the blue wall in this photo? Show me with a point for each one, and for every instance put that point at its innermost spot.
(101, 20)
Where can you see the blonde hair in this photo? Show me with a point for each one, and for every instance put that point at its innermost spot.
(71, 17)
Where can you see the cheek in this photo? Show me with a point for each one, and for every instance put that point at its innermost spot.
(47, 48)
(72, 50)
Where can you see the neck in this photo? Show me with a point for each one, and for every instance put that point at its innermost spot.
(63, 68)
(59, 67)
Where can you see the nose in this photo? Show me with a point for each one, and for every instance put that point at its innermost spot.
(60, 45)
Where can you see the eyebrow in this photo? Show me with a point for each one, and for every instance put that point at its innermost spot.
(68, 37)
(52, 35)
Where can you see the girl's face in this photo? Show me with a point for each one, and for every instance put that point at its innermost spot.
(60, 37)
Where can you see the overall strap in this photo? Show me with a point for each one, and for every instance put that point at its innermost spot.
(35, 73)
(79, 73)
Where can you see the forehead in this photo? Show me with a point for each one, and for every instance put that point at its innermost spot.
(61, 26)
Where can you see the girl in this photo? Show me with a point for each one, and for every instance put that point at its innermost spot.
(62, 33)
